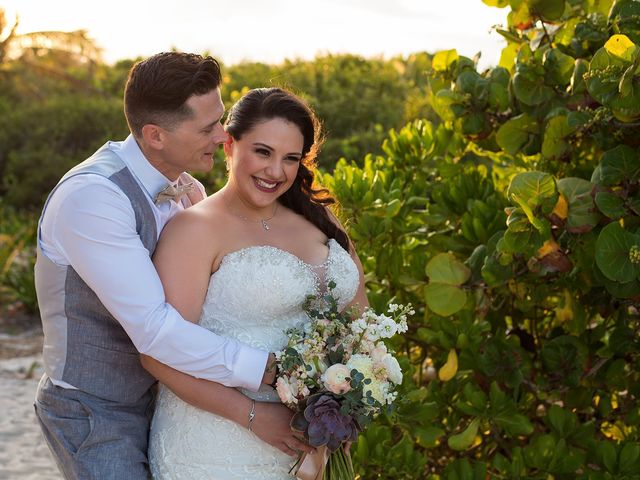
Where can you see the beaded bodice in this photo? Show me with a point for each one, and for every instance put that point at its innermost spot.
(256, 294)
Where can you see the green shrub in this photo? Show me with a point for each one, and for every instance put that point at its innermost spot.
(514, 228)
(41, 142)
(17, 257)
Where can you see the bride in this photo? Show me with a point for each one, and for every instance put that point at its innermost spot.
(241, 263)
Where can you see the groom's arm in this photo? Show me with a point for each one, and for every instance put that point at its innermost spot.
(272, 421)
(90, 225)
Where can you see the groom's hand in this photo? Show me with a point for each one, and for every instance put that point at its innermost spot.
(270, 370)
(272, 424)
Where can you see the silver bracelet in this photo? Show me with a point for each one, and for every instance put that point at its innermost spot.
(252, 414)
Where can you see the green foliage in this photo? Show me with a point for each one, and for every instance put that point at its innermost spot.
(42, 141)
(513, 224)
(17, 258)
(389, 93)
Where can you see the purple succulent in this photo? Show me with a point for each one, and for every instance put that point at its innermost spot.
(322, 422)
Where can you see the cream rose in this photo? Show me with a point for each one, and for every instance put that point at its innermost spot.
(337, 378)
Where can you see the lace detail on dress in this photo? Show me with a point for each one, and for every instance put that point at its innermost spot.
(254, 297)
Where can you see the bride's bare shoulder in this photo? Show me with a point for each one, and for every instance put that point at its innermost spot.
(201, 217)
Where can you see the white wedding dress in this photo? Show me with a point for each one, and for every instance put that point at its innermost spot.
(256, 294)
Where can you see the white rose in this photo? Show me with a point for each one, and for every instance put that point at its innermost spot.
(337, 378)
(394, 372)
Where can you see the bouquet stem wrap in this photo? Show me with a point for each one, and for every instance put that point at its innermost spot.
(312, 466)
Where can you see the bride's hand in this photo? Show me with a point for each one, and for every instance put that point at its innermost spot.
(272, 425)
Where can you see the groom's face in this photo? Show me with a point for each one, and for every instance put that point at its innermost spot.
(191, 145)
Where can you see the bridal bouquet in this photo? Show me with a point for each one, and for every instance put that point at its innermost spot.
(337, 374)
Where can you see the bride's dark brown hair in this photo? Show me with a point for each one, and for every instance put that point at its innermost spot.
(303, 197)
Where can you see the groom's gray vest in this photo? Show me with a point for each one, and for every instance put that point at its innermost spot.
(84, 345)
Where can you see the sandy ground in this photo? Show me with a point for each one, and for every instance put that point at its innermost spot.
(23, 453)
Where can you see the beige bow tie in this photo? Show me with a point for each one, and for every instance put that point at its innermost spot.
(173, 193)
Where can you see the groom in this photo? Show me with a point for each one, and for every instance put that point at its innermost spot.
(100, 298)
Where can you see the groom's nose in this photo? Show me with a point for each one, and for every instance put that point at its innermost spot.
(219, 135)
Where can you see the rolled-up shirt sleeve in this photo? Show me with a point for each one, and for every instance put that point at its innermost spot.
(93, 227)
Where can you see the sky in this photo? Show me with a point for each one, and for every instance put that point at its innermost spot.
(271, 30)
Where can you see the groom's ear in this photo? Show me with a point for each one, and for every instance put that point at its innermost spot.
(153, 136)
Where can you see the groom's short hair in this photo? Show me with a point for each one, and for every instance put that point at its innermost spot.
(158, 87)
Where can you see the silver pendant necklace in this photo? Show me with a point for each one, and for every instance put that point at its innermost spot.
(261, 221)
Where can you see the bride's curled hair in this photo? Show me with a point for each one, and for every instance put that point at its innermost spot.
(305, 198)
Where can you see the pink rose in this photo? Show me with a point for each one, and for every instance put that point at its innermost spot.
(337, 378)
(286, 391)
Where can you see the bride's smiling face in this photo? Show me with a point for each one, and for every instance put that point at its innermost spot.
(264, 162)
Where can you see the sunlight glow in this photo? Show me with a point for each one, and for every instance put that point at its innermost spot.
(272, 31)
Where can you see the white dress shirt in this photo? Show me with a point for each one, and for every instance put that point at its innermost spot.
(89, 224)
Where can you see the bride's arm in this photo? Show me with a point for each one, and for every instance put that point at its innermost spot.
(271, 422)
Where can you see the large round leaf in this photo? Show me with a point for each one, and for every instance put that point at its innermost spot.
(554, 145)
(445, 268)
(517, 132)
(621, 47)
(619, 164)
(535, 189)
(444, 299)
(559, 66)
(531, 90)
(444, 60)
(582, 217)
(612, 254)
(611, 205)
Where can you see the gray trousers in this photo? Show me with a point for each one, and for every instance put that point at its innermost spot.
(92, 438)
